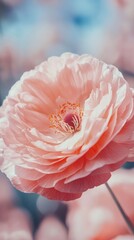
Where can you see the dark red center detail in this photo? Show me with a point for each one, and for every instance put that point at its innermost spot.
(69, 119)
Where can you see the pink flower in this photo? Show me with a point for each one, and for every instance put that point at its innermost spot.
(51, 229)
(125, 237)
(16, 225)
(65, 126)
(95, 215)
(7, 195)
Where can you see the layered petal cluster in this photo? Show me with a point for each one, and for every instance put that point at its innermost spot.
(65, 126)
(96, 216)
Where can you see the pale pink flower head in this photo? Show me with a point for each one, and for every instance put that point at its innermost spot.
(66, 125)
(95, 215)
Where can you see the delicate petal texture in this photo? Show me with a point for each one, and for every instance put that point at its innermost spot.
(65, 126)
(96, 216)
(51, 229)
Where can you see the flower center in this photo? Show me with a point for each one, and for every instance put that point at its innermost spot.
(72, 120)
(67, 119)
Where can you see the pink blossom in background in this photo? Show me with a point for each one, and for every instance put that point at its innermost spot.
(95, 215)
(51, 229)
(116, 38)
(16, 226)
(125, 237)
(65, 126)
(125, 39)
(13, 57)
(7, 61)
(7, 196)
(15, 223)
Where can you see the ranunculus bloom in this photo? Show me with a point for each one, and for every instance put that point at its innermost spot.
(66, 125)
(96, 216)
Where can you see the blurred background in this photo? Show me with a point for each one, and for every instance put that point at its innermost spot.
(33, 30)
